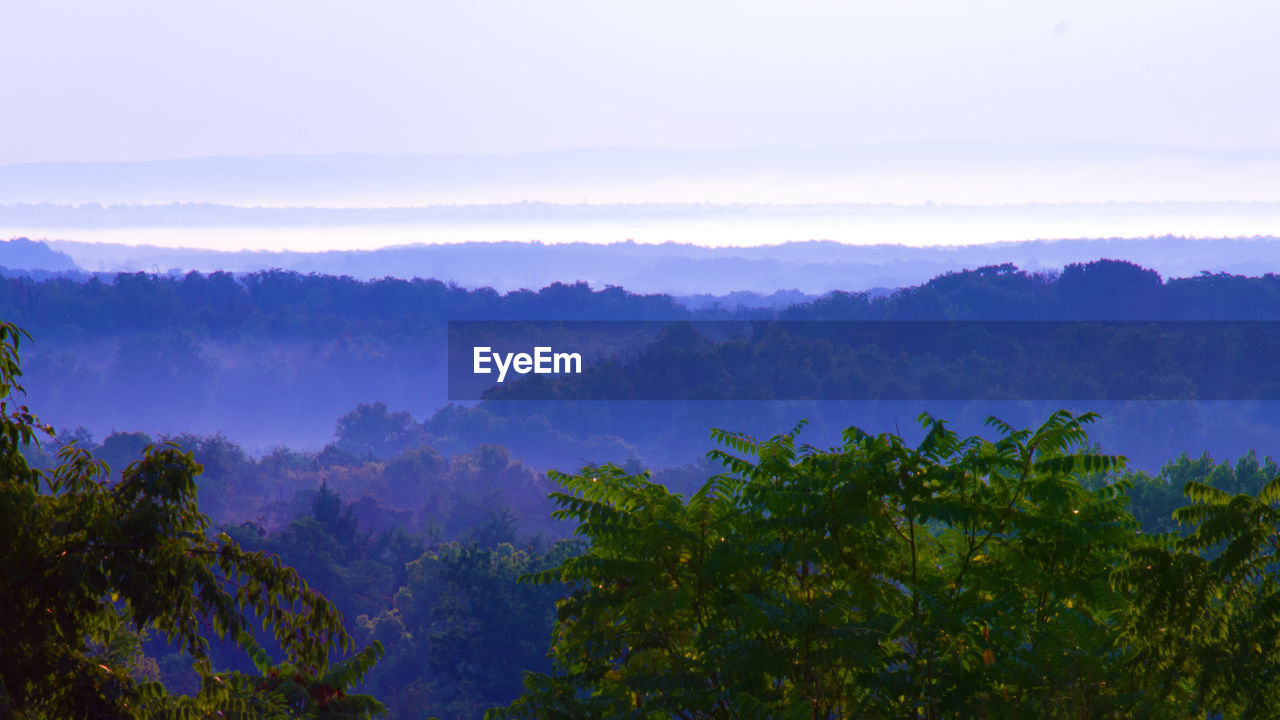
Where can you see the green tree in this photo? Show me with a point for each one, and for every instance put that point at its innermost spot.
(86, 565)
(373, 431)
(1205, 619)
(960, 578)
(463, 630)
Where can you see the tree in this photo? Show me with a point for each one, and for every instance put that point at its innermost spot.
(372, 431)
(960, 578)
(1205, 618)
(85, 563)
(463, 630)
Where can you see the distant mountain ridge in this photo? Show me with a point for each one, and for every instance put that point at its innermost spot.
(24, 254)
(682, 270)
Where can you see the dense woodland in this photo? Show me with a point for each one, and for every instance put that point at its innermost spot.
(246, 352)
(224, 305)
(1021, 570)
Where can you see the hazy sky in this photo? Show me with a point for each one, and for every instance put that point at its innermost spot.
(129, 80)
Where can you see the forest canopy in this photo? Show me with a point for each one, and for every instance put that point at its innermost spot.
(1010, 573)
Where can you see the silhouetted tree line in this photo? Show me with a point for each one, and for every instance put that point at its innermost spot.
(247, 351)
(278, 303)
(283, 302)
(1099, 290)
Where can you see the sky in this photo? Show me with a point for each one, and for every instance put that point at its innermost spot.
(84, 80)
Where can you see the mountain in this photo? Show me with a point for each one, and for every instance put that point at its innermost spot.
(24, 254)
(682, 269)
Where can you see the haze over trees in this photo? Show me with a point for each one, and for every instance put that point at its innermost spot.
(1044, 566)
(1025, 573)
(246, 351)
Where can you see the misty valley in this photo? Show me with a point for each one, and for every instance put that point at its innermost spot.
(254, 497)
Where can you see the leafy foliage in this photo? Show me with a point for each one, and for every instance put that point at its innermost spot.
(959, 578)
(1206, 612)
(462, 630)
(86, 561)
